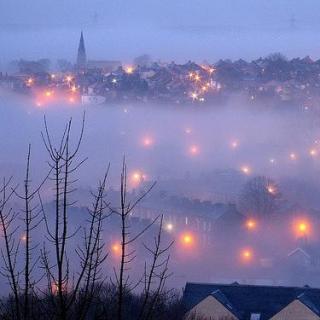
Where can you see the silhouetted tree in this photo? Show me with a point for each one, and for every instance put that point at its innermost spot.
(259, 197)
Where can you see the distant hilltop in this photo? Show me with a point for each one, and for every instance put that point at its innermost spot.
(270, 81)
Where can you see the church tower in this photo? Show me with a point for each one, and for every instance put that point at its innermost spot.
(82, 57)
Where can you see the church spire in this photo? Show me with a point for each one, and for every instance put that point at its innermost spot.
(82, 57)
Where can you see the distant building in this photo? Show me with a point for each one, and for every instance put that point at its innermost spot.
(105, 66)
(83, 64)
(82, 56)
(249, 302)
(92, 99)
(305, 256)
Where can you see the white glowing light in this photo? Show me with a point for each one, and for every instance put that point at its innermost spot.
(30, 81)
(138, 177)
(246, 170)
(293, 156)
(272, 161)
(234, 144)
(169, 227)
(194, 95)
(271, 189)
(197, 77)
(313, 152)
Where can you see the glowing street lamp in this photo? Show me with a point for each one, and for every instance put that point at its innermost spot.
(116, 249)
(194, 96)
(69, 78)
(48, 93)
(246, 170)
(137, 177)
(272, 161)
(147, 141)
(129, 69)
(169, 227)
(194, 150)
(313, 152)
(246, 255)
(204, 88)
(251, 224)
(187, 239)
(234, 144)
(55, 288)
(30, 82)
(302, 227)
(271, 189)
(293, 156)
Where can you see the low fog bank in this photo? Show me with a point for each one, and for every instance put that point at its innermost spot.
(170, 143)
(204, 160)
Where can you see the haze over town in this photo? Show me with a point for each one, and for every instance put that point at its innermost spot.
(205, 116)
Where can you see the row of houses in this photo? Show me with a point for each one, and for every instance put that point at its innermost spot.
(249, 302)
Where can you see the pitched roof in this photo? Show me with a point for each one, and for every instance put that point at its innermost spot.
(217, 294)
(249, 299)
(303, 297)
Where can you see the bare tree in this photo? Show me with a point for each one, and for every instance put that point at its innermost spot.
(22, 289)
(259, 197)
(31, 220)
(155, 278)
(93, 256)
(62, 291)
(128, 255)
(10, 251)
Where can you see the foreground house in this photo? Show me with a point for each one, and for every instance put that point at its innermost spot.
(249, 302)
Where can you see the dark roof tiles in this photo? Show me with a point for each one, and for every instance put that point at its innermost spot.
(249, 299)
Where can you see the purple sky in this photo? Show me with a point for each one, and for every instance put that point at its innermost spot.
(166, 29)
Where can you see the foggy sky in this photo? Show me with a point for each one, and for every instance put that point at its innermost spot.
(180, 29)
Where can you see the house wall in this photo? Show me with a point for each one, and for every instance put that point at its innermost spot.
(296, 310)
(210, 309)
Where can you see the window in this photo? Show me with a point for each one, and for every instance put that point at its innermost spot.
(255, 316)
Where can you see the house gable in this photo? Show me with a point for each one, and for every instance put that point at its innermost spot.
(296, 310)
(210, 308)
